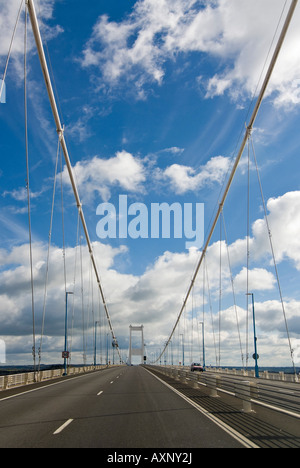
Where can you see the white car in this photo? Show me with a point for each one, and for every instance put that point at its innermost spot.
(197, 367)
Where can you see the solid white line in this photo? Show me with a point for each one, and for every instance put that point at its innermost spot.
(236, 435)
(100, 393)
(61, 428)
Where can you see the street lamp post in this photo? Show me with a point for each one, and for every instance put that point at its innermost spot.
(203, 343)
(165, 355)
(182, 349)
(95, 351)
(107, 335)
(255, 356)
(66, 336)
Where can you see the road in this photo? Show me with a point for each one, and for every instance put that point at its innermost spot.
(122, 407)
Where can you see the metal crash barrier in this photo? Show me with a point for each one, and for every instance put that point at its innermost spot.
(277, 394)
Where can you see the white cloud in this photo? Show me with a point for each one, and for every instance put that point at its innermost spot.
(259, 280)
(100, 175)
(184, 178)
(284, 220)
(8, 16)
(15, 282)
(233, 31)
(21, 194)
(174, 150)
(217, 86)
(246, 45)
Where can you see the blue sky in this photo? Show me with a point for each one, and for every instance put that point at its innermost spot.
(154, 97)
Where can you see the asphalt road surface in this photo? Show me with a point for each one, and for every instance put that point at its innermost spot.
(122, 407)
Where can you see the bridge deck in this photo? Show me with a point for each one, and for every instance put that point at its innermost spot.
(123, 407)
(130, 407)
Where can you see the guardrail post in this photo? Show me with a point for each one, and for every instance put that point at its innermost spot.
(243, 392)
(266, 375)
(5, 382)
(212, 386)
(194, 381)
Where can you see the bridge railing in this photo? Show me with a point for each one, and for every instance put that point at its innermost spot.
(281, 396)
(20, 380)
(280, 376)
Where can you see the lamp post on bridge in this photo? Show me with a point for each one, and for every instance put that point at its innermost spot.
(255, 355)
(66, 353)
(95, 350)
(107, 335)
(182, 349)
(203, 343)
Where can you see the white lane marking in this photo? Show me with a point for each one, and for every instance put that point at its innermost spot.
(100, 393)
(61, 428)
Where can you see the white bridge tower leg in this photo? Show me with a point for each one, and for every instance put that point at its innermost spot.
(136, 351)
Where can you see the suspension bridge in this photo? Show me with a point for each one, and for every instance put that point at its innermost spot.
(162, 403)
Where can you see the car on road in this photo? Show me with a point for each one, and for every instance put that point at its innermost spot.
(196, 367)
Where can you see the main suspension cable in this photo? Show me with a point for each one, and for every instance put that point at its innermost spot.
(28, 195)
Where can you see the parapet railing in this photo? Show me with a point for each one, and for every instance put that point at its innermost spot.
(280, 396)
(281, 376)
(20, 380)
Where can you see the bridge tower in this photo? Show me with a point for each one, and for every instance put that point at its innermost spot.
(136, 351)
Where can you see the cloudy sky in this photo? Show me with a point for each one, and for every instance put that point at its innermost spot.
(154, 96)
